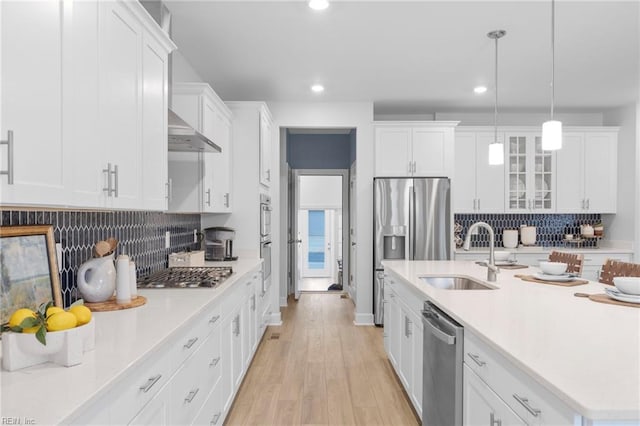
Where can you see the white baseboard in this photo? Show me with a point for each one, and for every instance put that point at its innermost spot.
(275, 319)
(283, 302)
(363, 319)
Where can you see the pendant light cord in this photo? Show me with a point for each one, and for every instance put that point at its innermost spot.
(553, 55)
(495, 108)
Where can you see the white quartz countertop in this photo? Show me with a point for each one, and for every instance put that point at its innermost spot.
(48, 393)
(546, 250)
(586, 353)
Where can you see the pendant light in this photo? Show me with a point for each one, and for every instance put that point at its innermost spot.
(496, 149)
(552, 129)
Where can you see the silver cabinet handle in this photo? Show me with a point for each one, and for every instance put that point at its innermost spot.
(476, 359)
(214, 362)
(253, 302)
(115, 175)
(588, 202)
(226, 199)
(478, 203)
(169, 185)
(215, 419)
(248, 283)
(493, 420)
(414, 167)
(9, 144)
(107, 172)
(474, 204)
(583, 204)
(407, 328)
(214, 319)
(525, 403)
(191, 395)
(237, 322)
(150, 382)
(190, 343)
(409, 167)
(269, 175)
(208, 196)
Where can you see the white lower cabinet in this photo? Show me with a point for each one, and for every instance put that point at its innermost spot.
(403, 338)
(482, 407)
(194, 376)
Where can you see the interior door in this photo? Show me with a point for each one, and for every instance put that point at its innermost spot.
(315, 227)
(297, 240)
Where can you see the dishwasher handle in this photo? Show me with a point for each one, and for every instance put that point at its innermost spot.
(441, 335)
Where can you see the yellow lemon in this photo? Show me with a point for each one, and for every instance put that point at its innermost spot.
(18, 316)
(61, 321)
(82, 313)
(52, 310)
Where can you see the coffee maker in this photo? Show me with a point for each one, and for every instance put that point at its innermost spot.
(218, 243)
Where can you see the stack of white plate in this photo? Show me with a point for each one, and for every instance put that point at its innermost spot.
(561, 278)
(627, 289)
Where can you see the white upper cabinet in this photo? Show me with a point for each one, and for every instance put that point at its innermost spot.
(477, 187)
(85, 98)
(265, 148)
(530, 174)
(31, 97)
(201, 182)
(591, 158)
(414, 148)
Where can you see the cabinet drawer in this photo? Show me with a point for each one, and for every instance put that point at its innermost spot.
(211, 412)
(522, 394)
(191, 338)
(212, 356)
(190, 387)
(136, 391)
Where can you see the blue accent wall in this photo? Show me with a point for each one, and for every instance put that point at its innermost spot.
(320, 151)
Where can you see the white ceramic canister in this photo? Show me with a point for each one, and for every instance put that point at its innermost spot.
(123, 289)
(133, 279)
(510, 238)
(528, 235)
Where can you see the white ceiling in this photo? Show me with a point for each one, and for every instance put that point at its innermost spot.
(414, 57)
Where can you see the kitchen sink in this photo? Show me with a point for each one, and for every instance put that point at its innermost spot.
(456, 283)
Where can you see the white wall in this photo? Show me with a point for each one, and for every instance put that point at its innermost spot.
(357, 115)
(623, 225)
(182, 71)
(320, 192)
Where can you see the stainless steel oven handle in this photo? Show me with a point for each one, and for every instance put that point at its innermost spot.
(439, 334)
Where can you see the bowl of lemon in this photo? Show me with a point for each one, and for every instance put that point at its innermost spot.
(50, 334)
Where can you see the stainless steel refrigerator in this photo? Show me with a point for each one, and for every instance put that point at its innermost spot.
(412, 220)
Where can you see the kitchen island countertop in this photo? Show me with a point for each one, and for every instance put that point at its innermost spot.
(586, 353)
(49, 393)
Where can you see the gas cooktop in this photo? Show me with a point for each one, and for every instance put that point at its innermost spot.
(187, 277)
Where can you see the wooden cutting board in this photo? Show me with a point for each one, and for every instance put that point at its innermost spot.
(111, 305)
(532, 279)
(603, 298)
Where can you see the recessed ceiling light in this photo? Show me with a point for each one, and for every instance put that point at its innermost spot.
(317, 88)
(318, 4)
(480, 89)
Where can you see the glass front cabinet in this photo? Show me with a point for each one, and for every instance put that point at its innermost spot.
(530, 174)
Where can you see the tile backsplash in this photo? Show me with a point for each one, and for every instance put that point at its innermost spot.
(142, 234)
(550, 231)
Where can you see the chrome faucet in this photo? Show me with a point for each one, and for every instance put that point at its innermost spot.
(492, 269)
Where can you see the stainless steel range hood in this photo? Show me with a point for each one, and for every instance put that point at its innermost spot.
(183, 137)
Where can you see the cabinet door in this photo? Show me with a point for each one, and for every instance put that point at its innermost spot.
(464, 183)
(227, 331)
(516, 173)
(237, 362)
(393, 151)
(395, 330)
(31, 103)
(81, 107)
(265, 150)
(601, 172)
(406, 350)
(120, 96)
(221, 163)
(541, 187)
(432, 151)
(185, 175)
(489, 179)
(570, 174)
(207, 183)
(482, 407)
(154, 125)
(208, 119)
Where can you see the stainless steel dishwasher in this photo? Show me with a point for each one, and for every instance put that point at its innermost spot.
(442, 368)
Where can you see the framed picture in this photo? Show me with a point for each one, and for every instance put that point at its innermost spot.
(28, 268)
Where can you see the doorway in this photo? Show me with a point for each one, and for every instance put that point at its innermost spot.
(319, 210)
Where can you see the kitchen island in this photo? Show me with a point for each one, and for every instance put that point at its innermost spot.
(132, 342)
(586, 354)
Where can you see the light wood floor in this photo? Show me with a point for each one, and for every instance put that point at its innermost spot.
(315, 284)
(321, 370)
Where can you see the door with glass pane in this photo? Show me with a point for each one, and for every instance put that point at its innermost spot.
(316, 246)
(529, 174)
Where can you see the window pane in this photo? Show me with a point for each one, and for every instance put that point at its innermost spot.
(316, 239)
